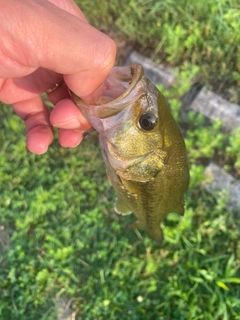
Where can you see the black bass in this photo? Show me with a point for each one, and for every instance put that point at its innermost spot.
(142, 147)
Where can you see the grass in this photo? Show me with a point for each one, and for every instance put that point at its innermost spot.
(62, 246)
(177, 31)
(66, 245)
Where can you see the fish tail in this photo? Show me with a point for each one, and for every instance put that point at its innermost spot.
(156, 234)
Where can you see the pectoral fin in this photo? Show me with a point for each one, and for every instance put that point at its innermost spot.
(121, 207)
(156, 234)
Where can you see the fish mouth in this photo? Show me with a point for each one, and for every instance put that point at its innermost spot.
(119, 84)
(116, 94)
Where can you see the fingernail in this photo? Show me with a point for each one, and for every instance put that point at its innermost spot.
(83, 131)
(70, 124)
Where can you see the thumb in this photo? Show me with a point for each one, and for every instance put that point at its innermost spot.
(63, 43)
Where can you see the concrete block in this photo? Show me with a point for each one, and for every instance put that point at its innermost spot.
(216, 179)
(214, 107)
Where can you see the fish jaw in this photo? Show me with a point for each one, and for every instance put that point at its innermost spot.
(119, 89)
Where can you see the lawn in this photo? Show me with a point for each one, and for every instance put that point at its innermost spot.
(64, 249)
(205, 34)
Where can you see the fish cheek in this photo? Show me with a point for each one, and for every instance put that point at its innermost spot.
(147, 168)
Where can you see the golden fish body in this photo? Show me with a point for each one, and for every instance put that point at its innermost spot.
(142, 147)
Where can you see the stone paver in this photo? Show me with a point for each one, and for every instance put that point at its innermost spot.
(216, 179)
(215, 107)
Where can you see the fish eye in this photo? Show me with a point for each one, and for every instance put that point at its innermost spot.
(147, 121)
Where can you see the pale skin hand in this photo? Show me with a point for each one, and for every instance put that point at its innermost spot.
(43, 43)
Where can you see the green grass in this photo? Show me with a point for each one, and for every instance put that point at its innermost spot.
(205, 34)
(61, 243)
(66, 244)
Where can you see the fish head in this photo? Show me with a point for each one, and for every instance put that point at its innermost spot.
(127, 116)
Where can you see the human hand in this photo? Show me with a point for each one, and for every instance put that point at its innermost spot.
(44, 43)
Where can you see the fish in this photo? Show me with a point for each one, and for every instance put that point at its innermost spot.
(142, 147)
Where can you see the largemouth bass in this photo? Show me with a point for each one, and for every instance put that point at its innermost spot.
(142, 147)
